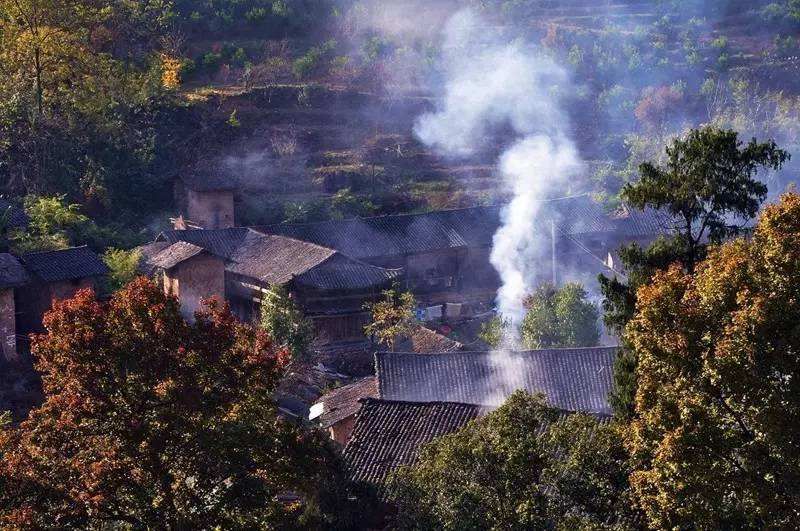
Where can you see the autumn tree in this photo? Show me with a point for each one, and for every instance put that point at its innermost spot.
(559, 317)
(522, 466)
(716, 435)
(392, 316)
(657, 106)
(285, 323)
(151, 422)
(708, 192)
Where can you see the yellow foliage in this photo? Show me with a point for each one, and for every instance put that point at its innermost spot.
(718, 400)
(170, 71)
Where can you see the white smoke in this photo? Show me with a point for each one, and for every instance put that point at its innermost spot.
(489, 84)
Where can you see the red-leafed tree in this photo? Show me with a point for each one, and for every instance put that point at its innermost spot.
(151, 422)
(657, 106)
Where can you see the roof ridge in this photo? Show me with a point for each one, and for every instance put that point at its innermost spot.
(417, 403)
(304, 242)
(37, 253)
(476, 352)
(356, 260)
(382, 216)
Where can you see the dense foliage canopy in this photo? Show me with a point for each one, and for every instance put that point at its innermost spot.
(152, 422)
(710, 190)
(715, 439)
(523, 466)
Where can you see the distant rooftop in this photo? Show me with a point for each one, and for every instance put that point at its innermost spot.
(396, 235)
(572, 379)
(174, 254)
(423, 340)
(277, 260)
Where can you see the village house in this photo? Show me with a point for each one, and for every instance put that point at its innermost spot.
(29, 285)
(12, 276)
(423, 396)
(336, 410)
(241, 264)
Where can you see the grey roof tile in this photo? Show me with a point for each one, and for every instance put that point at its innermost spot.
(18, 219)
(276, 260)
(175, 254)
(65, 264)
(388, 434)
(571, 379)
(345, 401)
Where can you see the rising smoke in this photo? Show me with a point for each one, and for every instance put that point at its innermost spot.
(491, 84)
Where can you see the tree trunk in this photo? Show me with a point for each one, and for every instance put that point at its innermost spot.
(39, 90)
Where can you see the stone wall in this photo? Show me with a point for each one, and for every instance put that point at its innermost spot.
(8, 325)
(210, 210)
(200, 277)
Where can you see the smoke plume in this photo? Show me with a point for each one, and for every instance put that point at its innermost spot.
(490, 85)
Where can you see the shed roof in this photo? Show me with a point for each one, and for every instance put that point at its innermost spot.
(65, 264)
(572, 379)
(388, 434)
(402, 234)
(175, 254)
(12, 273)
(344, 401)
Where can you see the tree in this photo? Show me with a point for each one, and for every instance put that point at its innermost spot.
(523, 466)
(708, 186)
(123, 267)
(708, 190)
(392, 317)
(285, 323)
(716, 435)
(559, 317)
(53, 224)
(151, 422)
(657, 105)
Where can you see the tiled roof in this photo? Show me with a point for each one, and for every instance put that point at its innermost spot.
(571, 379)
(279, 259)
(423, 340)
(12, 273)
(388, 434)
(220, 242)
(397, 235)
(275, 259)
(148, 251)
(17, 217)
(64, 264)
(175, 254)
(343, 402)
(339, 272)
